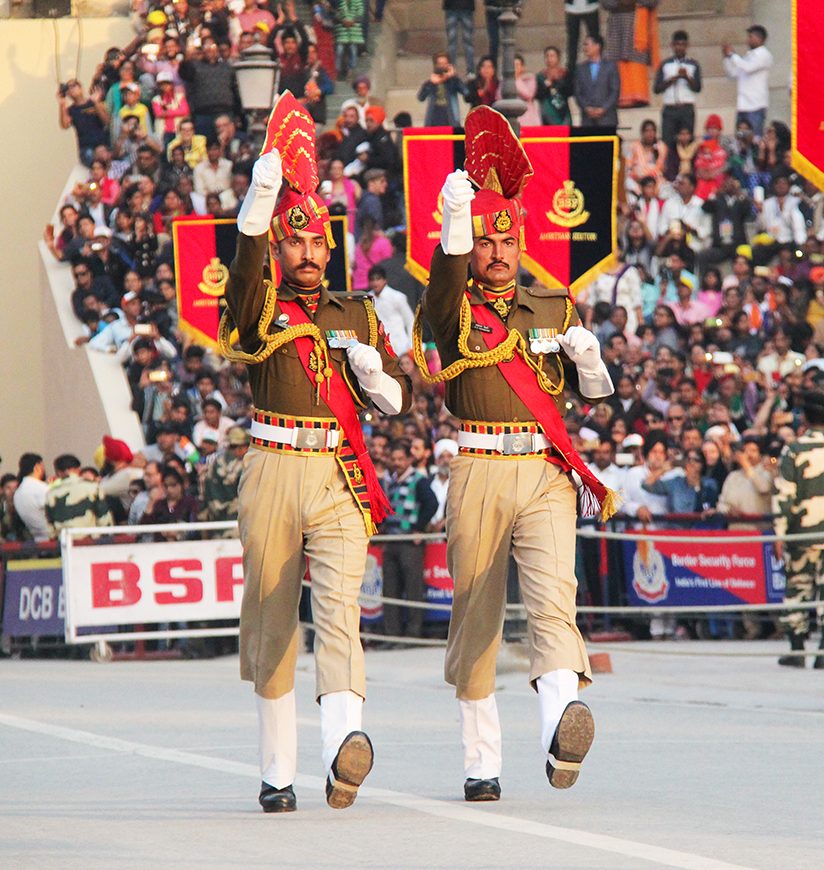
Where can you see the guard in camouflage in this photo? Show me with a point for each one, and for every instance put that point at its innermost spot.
(223, 476)
(73, 501)
(798, 506)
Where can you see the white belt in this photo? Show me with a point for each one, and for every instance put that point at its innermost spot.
(508, 444)
(301, 437)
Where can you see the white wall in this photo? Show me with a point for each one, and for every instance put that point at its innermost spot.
(37, 159)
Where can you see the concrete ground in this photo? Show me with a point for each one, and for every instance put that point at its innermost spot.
(699, 762)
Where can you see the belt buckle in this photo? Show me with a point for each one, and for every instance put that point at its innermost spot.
(516, 443)
(309, 439)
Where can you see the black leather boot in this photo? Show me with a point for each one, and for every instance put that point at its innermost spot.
(796, 645)
(277, 800)
(482, 789)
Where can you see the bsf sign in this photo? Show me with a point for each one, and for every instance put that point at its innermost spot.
(172, 581)
(33, 601)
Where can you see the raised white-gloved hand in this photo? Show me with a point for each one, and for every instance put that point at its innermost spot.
(259, 204)
(582, 347)
(367, 366)
(456, 230)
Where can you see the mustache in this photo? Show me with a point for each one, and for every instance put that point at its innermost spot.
(496, 263)
(308, 264)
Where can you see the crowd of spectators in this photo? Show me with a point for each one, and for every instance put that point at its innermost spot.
(711, 320)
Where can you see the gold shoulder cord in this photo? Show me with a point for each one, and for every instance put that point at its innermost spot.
(372, 318)
(270, 343)
(505, 351)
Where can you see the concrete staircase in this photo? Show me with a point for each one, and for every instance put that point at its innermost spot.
(414, 29)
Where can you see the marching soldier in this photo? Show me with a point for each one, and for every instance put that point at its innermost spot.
(509, 354)
(220, 486)
(308, 489)
(798, 506)
(73, 501)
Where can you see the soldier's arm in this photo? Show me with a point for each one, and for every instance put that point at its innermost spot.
(444, 294)
(784, 497)
(245, 290)
(392, 368)
(592, 386)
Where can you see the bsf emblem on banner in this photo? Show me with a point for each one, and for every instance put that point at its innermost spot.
(297, 218)
(568, 206)
(215, 276)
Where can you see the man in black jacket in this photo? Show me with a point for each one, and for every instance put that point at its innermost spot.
(211, 87)
(729, 209)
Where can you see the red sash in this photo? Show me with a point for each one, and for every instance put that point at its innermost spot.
(593, 495)
(363, 481)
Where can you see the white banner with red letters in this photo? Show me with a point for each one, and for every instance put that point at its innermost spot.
(149, 583)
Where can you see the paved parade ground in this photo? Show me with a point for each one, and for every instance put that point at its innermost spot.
(699, 761)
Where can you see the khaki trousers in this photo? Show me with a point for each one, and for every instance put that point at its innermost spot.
(527, 505)
(296, 506)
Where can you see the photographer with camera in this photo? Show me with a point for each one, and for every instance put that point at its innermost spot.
(442, 90)
(88, 116)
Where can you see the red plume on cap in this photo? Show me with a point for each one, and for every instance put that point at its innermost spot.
(495, 159)
(291, 132)
(497, 163)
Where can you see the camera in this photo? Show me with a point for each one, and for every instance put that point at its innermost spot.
(143, 329)
(63, 89)
(441, 70)
(158, 376)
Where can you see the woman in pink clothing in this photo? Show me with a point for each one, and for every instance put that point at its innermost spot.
(169, 107)
(527, 86)
(343, 190)
(369, 251)
(648, 156)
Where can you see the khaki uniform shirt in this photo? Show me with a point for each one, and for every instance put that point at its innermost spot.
(280, 384)
(483, 394)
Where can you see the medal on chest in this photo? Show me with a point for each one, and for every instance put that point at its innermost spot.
(341, 338)
(544, 340)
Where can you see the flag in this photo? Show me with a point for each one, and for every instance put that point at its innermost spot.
(204, 249)
(808, 86)
(429, 155)
(203, 252)
(571, 201)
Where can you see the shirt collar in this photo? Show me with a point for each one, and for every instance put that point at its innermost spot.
(289, 294)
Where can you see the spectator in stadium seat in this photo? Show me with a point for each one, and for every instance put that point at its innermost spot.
(131, 106)
(392, 309)
(647, 157)
(681, 213)
(353, 135)
(169, 107)
(459, 17)
(192, 143)
(205, 387)
(119, 473)
(85, 284)
(30, 496)
(371, 248)
(220, 486)
(73, 502)
(678, 78)
(88, 116)
(214, 423)
(316, 87)
(482, 89)
(174, 505)
(370, 204)
(728, 209)
(440, 92)
(780, 218)
(120, 331)
(751, 73)
(597, 86)
(687, 491)
(554, 88)
(292, 65)
(213, 175)
(349, 37)
(414, 505)
(638, 501)
(211, 86)
(12, 528)
(443, 452)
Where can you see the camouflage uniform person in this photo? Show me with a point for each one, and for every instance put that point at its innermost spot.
(73, 502)
(798, 506)
(223, 476)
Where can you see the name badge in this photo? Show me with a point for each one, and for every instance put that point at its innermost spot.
(481, 327)
(341, 338)
(544, 340)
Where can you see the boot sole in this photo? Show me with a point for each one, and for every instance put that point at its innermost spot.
(574, 736)
(352, 765)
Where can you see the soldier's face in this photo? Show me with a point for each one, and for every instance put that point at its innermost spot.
(494, 259)
(303, 258)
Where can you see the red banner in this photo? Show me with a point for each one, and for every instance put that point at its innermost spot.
(571, 231)
(808, 88)
(204, 250)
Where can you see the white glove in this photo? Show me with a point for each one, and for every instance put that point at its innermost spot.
(582, 347)
(259, 204)
(367, 366)
(456, 230)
